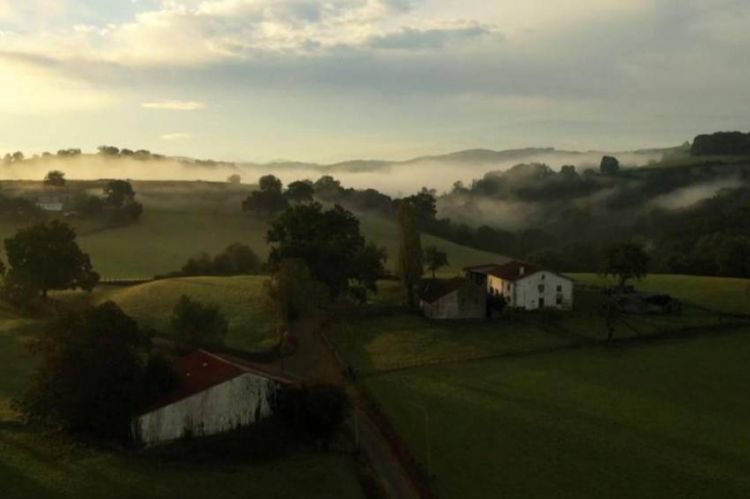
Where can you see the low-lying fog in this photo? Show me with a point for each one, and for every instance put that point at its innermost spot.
(400, 178)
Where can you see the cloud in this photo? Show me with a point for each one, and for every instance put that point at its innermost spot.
(433, 38)
(175, 136)
(29, 87)
(174, 105)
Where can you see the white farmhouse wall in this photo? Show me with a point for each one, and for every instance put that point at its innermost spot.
(238, 402)
(526, 292)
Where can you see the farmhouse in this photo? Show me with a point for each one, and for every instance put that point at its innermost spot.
(51, 203)
(214, 394)
(452, 299)
(524, 285)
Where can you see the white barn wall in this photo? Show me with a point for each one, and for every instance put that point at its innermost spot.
(240, 401)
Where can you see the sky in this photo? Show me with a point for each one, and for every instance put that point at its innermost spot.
(330, 80)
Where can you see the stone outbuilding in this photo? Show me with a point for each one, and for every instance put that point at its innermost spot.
(452, 299)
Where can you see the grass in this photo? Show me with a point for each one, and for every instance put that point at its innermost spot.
(723, 294)
(553, 412)
(183, 219)
(239, 298)
(48, 466)
(658, 420)
(36, 466)
(390, 338)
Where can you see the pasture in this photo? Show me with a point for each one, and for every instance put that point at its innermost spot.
(663, 419)
(538, 406)
(390, 337)
(239, 298)
(722, 294)
(182, 219)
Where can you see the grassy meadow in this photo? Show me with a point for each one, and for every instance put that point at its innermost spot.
(723, 294)
(539, 406)
(667, 419)
(183, 219)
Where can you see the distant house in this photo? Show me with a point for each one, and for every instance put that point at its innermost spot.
(452, 299)
(51, 203)
(523, 285)
(214, 394)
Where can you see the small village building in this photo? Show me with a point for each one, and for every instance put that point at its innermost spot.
(51, 203)
(524, 285)
(452, 299)
(214, 394)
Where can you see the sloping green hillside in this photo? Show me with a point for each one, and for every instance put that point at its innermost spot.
(240, 300)
(182, 219)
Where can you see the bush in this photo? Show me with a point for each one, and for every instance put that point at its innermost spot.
(313, 412)
(236, 259)
(198, 325)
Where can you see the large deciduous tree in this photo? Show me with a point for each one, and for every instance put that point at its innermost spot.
(117, 193)
(435, 259)
(268, 200)
(46, 257)
(410, 268)
(329, 243)
(300, 191)
(91, 377)
(55, 178)
(626, 261)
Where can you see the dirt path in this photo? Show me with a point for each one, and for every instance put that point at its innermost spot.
(315, 359)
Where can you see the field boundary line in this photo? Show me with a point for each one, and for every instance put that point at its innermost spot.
(684, 333)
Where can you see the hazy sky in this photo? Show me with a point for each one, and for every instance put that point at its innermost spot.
(327, 80)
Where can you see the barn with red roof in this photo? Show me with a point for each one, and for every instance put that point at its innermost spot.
(214, 394)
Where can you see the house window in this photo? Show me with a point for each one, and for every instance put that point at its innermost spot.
(541, 288)
(559, 288)
(559, 300)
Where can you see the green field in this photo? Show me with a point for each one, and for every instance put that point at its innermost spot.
(397, 339)
(239, 298)
(182, 219)
(539, 406)
(40, 466)
(663, 420)
(723, 294)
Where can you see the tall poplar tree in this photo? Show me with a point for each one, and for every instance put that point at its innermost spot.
(410, 267)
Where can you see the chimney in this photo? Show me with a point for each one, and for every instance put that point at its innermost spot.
(522, 270)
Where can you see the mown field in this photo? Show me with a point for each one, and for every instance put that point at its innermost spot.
(398, 339)
(40, 466)
(660, 420)
(724, 294)
(183, 219)
(539, 406)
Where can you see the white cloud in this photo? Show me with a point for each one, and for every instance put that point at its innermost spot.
(174, 105)
(175, 136)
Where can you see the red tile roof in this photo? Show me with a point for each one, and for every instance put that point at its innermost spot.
(512, 271)
(201, 370)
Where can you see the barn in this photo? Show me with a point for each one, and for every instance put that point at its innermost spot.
(214, 394)
(452, 299)
(524, 285)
